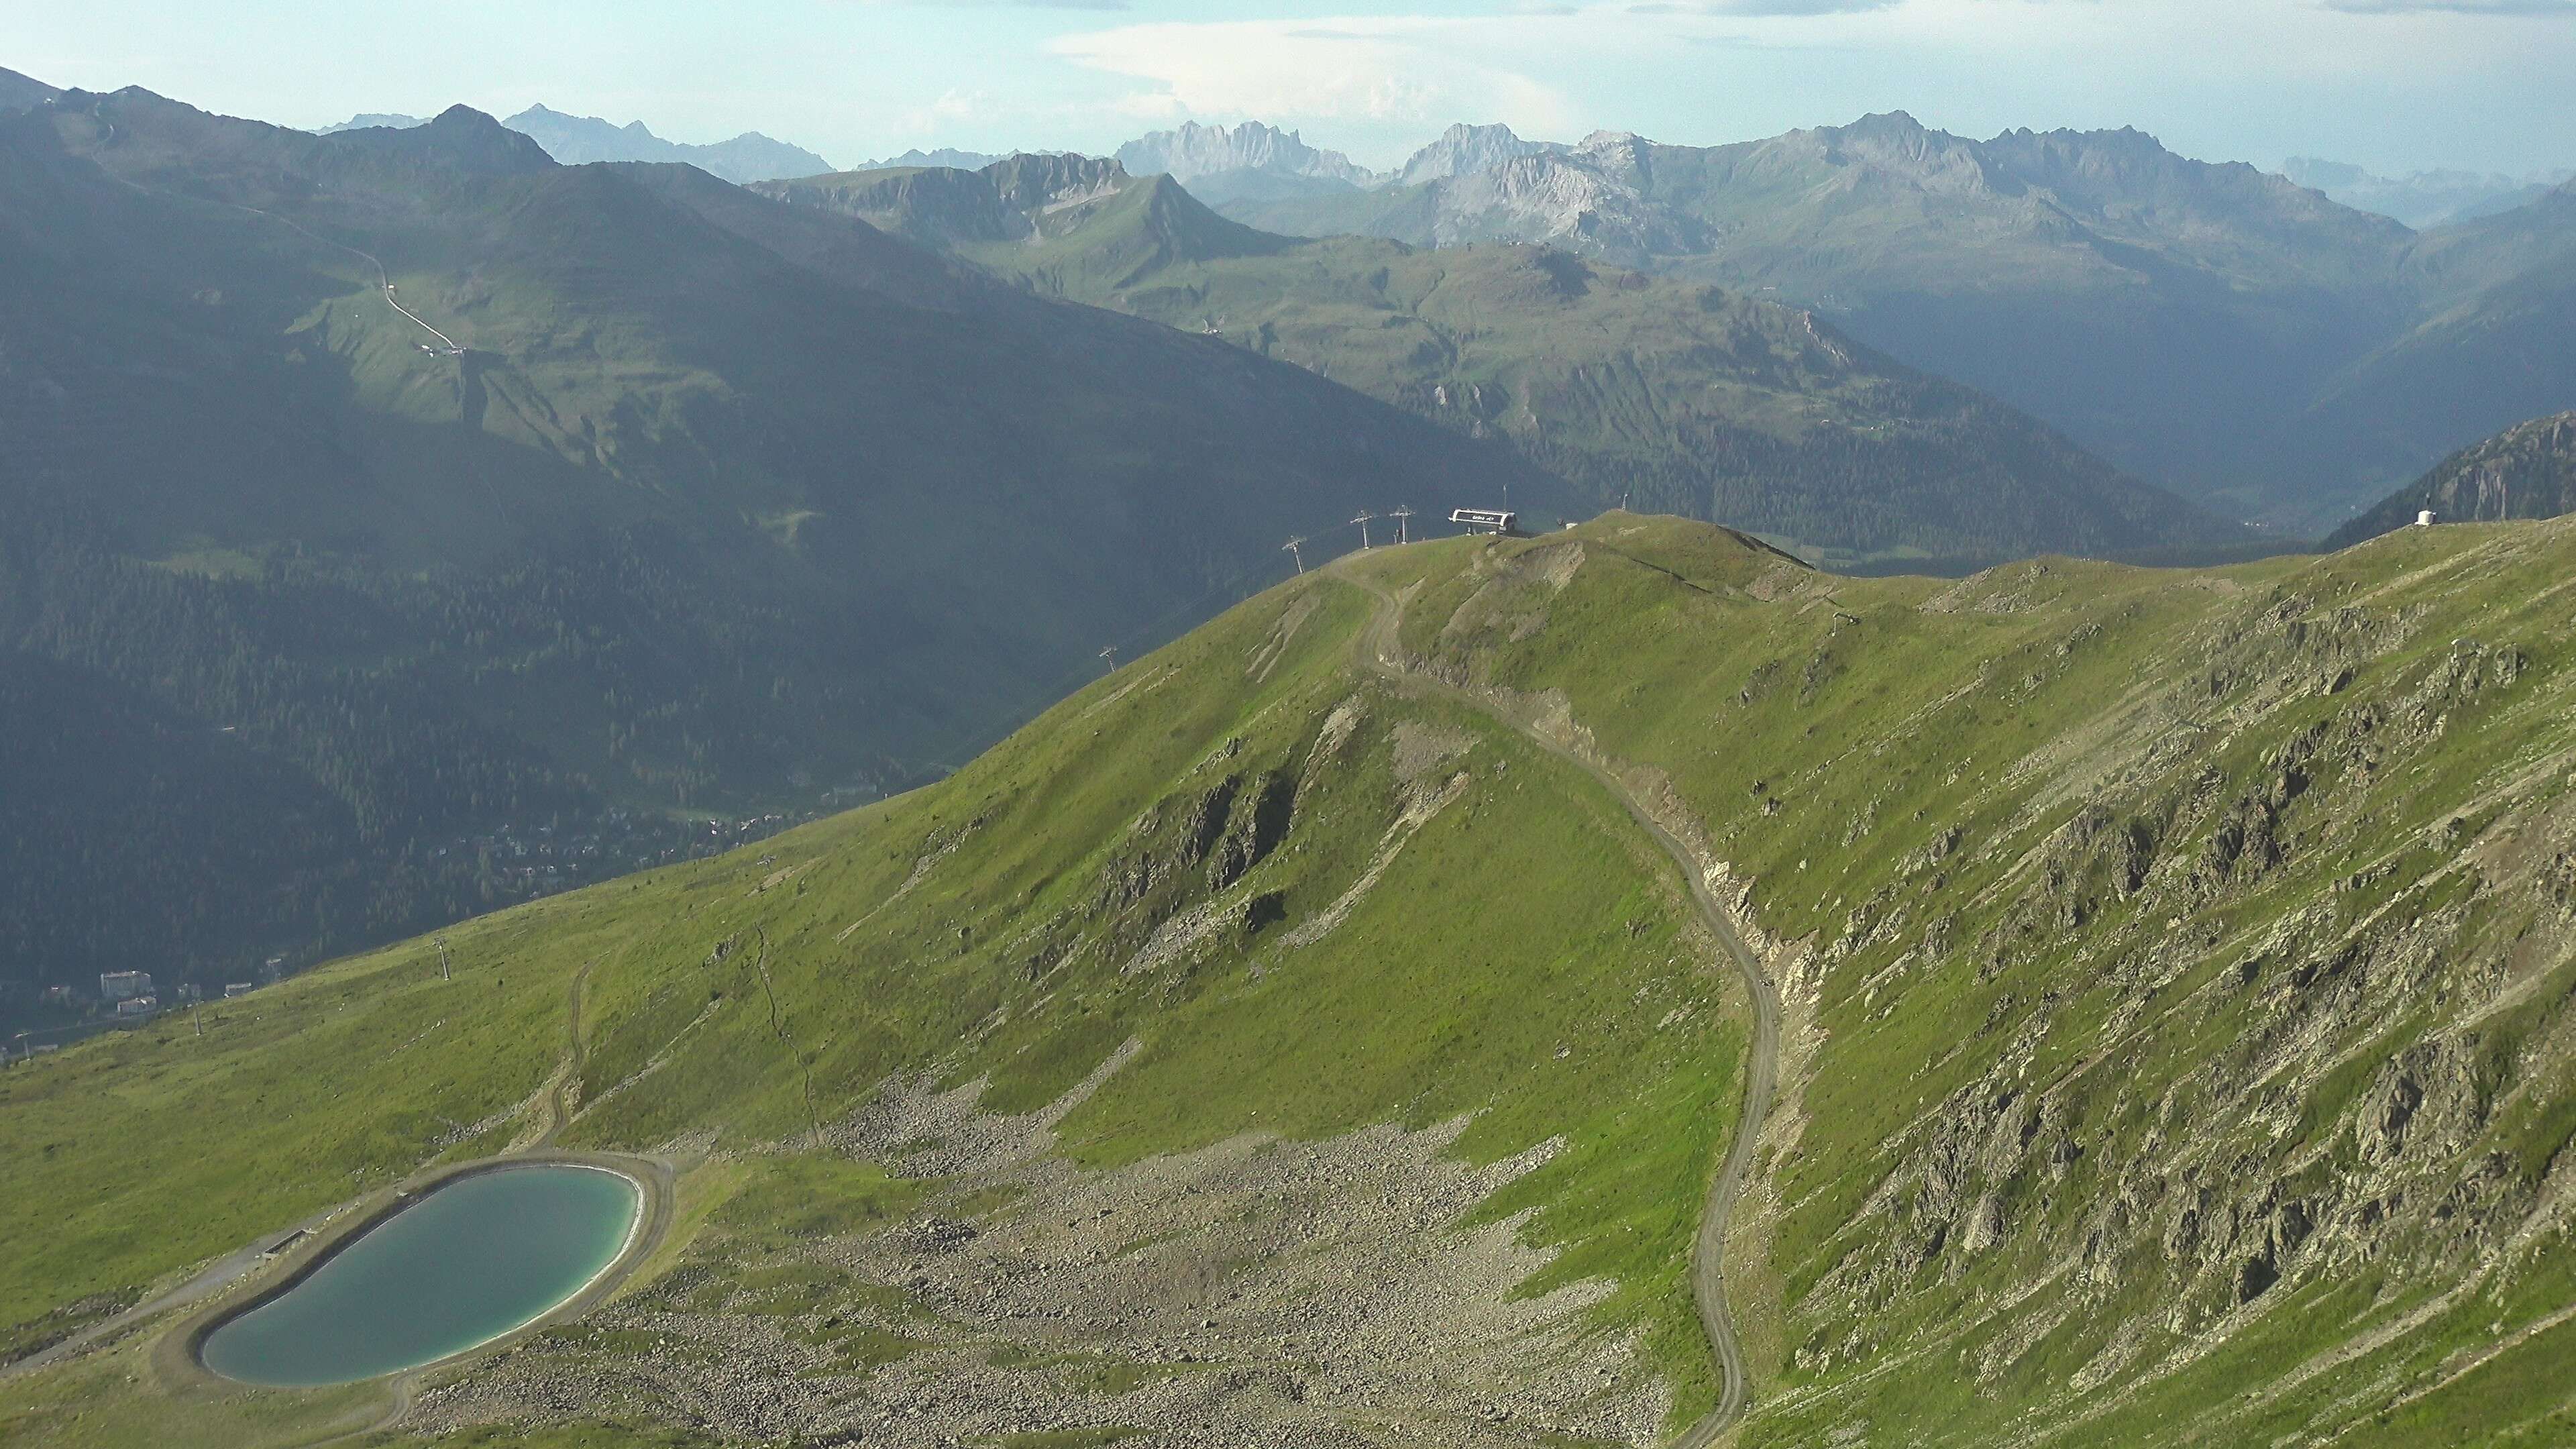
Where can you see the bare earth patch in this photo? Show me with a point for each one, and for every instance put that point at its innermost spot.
(1257, 1291)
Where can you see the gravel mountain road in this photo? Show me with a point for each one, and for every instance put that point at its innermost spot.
(1380, 651)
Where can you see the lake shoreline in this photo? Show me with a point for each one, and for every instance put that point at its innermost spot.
(179, 1356)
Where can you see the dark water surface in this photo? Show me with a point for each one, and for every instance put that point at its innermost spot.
(464, 1265)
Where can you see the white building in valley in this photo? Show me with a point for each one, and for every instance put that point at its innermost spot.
(124, 985)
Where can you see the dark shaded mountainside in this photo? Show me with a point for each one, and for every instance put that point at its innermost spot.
(717, 505)
(580, 140)
(1295, 1038)
(2321, 355)
(1650, 391)
(18, 92)
(2524, 472)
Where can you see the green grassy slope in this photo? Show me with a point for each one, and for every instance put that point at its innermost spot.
(991, 925)
(2188, 998)
(2179, 970)
(1670, 395)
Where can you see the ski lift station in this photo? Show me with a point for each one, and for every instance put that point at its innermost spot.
(1487, 520)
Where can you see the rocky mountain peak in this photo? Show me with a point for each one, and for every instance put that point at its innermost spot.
(1194, 150)
(1029, 182)
(1463, 150)
(1895, 145)
(461, 137)
(1889, 125)
(1618, 157)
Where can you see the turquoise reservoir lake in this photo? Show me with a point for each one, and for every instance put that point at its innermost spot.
(465, 1264)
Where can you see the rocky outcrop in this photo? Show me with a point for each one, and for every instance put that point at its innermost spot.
(2527, 472)
(1040, 183)
(2324, 1027)
(1195, 152)
(1568, 201)
(1464, 150)
(937, 207)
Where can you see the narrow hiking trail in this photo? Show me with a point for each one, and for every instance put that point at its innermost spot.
(559, 1102)
(1379, 650)
(384, 279)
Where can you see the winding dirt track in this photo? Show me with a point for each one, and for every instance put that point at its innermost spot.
(1380, 651)
(559, 1105)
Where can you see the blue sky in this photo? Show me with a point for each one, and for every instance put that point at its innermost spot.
(2393, 84)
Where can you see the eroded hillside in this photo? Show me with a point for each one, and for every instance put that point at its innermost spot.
(2179, 1037)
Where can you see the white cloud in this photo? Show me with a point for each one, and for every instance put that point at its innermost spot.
(1380, 69)
(1515, 64)
(2455, 7)
(950, 107)
(2224, 78)
(1006, 4)
(1732, 8)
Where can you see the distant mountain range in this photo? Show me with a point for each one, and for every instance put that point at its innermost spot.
(576, 140)
(2325, 349)
(1249, 162)
(714, 504)
(2426, 198)
(372, 121)
(944, 156)
(2523, 472)
(1661, 393)
(2322, 354)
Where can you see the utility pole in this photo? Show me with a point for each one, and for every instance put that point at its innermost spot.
(193, 1019)
(1111, 654)
(1402, 512)
(1363, 521)
(1291, 547)
(442, 960)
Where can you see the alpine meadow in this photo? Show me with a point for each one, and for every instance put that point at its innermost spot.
(1199, 765)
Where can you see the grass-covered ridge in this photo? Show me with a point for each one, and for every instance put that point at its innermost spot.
(1017, 923)
(2177, 967)
(2186, 1007)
